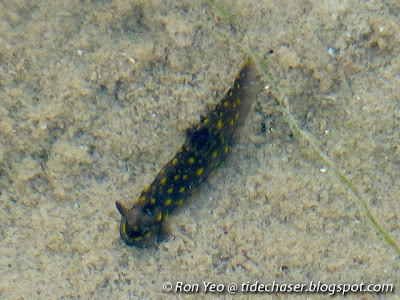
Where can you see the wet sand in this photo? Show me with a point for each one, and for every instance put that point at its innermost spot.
(95, 98)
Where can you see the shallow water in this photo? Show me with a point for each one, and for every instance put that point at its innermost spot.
(95, 99)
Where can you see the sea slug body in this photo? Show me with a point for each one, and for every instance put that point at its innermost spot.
(205, 148)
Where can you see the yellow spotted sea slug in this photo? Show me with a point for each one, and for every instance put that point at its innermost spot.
(205, 148)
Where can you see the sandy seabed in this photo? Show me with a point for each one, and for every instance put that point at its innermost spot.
(95, 97)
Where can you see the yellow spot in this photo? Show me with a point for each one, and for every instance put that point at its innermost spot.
(179, 202)
(219, 124)
(238, 86)
(180, 150)
(212, 172)
(163, 180)
(215, 153)
(182, 189)
(194, 191)
(231, 122)
(238, 100)
(137, 239)
(142, 198)
(226, 104)
(234, 104)
(200, 171)
(148, 234)
(221, 114)
(174, 161)
(162, 171)
(170, 190)
(153, 200)
(124, 228)
(159, 216)
(206, 120)
(231, 93)
(185, 177)
(146, 188)
(237, 115)
(191, 160)
(176, 177)
(226, 149)
(168, 202)
(135, 228)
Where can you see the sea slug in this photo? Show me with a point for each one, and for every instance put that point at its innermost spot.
(205, 148)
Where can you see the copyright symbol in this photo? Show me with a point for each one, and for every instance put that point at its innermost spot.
(167, 286)
(232, 288)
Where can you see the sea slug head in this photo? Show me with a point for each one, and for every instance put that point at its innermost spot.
(138, 228)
